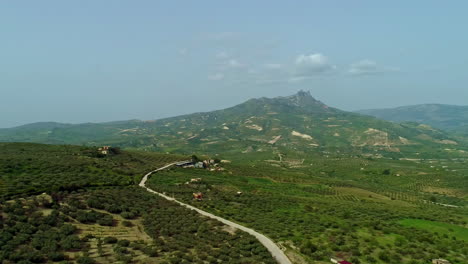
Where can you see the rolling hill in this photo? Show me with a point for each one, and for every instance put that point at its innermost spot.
(67, 204)
(294, 125)
(447, 117)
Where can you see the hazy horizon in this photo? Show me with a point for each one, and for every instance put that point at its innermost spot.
(189, 112)
(87, 61)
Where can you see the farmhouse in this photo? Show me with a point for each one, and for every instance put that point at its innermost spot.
(104, 150)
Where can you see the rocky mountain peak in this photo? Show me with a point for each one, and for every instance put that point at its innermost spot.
(306, 100)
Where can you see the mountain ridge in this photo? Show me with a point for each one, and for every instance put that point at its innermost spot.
(296, 124)
(442, 116)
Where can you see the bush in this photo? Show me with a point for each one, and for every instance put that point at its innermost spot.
(56, 256)
(123, 243)
(128, 215)
(85, 260)
(110, 240)
(150, 251)
(127, 223)
(106, 220)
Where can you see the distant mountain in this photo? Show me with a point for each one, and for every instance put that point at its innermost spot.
(449, 117)
(292, 125)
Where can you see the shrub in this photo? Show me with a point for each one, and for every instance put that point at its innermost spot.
(85, 260)
(123, 243)
(110, 240)
(127, 223)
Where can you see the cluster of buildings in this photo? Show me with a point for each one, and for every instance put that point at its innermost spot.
(210, 164)
(104, 150)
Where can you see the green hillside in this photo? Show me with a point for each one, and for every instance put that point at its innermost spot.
(71, 204)
(296, 125)
(447, 117)
(27, 168)
(358, 209)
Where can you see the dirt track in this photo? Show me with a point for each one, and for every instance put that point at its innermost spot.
(275, 251)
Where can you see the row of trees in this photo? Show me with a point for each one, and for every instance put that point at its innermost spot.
(365, 230)
(28, 235)
(179, 235)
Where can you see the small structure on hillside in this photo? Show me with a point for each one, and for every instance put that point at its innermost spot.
(211, 164)
(440, 261)
(104, 150)
(198, 196)
(195, 180)
(199, 165)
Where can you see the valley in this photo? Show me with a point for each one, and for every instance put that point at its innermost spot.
(310, 181)
(316, 215)
(233, 132)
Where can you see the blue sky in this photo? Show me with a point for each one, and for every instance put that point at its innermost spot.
(92, 61)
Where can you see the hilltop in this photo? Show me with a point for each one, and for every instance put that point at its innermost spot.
(296, 125)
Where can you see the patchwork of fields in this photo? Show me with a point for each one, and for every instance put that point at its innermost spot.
(362, 209)
(316, 212)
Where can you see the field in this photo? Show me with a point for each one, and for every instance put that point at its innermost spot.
(438, 227)
(335, 208)
(27, 168)
(90, 211)
(71, 203)
(117, 225)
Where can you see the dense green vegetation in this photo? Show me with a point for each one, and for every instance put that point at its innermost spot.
(335, 208)
(319, 181)
(34, 168)
(28, 236)
(88, 213)
(295, 124)
(438, 227)
(43, 230)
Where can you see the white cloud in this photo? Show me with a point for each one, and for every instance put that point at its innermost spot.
(216, 77)
(369, 67)
(311, 65)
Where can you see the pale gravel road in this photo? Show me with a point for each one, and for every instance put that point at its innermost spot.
(275, 251)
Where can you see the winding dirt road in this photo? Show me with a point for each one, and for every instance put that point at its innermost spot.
(275, 251)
